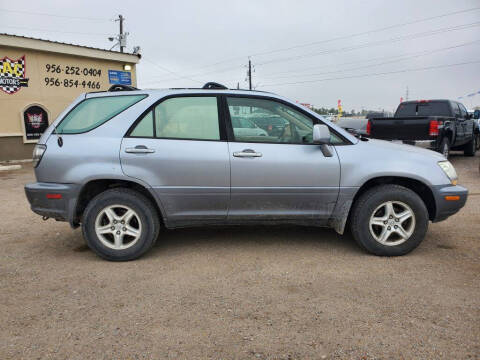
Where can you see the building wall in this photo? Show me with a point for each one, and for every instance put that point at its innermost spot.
(77, 75)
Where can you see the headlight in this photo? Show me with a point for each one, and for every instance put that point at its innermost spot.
(38, 151)
(449, 170)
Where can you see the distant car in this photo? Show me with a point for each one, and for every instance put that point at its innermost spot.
(378, 114)
(246, 127)
(358, 126)
(272, 124)
(440, 125)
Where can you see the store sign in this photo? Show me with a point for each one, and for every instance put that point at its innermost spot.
(12, 75)
(36, 122)
(117, 77)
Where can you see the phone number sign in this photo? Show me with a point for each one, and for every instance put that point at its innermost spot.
(72, 76)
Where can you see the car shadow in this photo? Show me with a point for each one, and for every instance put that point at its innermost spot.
(261, 235)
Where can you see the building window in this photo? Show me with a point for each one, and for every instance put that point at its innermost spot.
(35, 120)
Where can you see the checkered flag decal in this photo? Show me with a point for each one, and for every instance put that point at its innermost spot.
(11, 81)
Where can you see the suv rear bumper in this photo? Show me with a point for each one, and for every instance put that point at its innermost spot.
(53, 200)
(446, 208)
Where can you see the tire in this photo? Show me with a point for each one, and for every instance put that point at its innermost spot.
(471, 147)
(370, 204)
(444, 147)
(138, 233)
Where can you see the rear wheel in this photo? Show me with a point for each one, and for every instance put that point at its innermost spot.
(389, 220)
(120, 224)
(471, 147)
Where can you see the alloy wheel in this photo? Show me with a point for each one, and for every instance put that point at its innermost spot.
(118, 227)
(392, 223)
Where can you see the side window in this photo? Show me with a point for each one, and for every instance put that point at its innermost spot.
(193, 117)
(93, 112)
(144, 127)
(261, 120)
(463, 111)
(456, 110)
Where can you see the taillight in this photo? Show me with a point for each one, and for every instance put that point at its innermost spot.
(434, 125)
(38, 151)
(369, 127)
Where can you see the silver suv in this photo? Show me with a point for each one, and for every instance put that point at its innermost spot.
(124, 164)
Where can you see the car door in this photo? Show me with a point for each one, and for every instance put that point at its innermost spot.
(281, 175)
(179, 148)
(467, 123)
(459, 126)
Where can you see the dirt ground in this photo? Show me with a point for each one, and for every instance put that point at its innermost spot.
(238, 293)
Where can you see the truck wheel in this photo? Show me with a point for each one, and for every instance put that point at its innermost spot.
(471, 147)
(120, 224)
(389, 220)
(444, 147)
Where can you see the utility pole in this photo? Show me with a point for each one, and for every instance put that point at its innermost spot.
(121, 35)
(406, 95)
(249, 74)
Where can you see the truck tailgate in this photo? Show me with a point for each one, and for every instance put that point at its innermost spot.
(407, 128)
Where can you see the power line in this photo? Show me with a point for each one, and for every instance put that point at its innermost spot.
(56, 31)
(394, 59)
(376, 74)
(361, 46)
(177, 75)
(374, 43)
(53, 15)
(344, 36)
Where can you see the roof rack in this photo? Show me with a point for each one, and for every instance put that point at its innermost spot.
(214, 86)
(120, 87)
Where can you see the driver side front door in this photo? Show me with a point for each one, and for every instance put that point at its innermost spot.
(281, 175)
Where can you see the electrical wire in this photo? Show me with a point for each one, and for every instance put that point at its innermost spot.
(395, 59)
(374, 43)
(177, 75)
(376, 74)
(268, 52)
(53, 15)
(350, 48)
(56, 31)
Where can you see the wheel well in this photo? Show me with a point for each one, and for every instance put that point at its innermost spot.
(95, 187)
(449, 135)
(416, 186)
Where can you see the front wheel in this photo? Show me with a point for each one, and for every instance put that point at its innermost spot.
(120, 224)
(389, 220)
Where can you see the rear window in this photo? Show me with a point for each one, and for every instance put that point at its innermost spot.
(432, 108)
(93, 112)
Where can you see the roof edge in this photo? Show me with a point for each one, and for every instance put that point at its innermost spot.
(18, 41)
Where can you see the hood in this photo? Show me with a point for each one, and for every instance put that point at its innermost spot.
(402, 148)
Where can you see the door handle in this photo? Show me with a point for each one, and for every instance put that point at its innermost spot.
(139, 149)
(247, 153)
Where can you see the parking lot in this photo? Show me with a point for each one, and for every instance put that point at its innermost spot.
(238, 293)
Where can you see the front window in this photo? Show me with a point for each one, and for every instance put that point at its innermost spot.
(262, 120)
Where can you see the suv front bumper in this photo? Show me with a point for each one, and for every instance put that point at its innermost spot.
(444, 207)
(53, 200)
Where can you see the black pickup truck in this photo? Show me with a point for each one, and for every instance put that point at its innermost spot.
(440, 125)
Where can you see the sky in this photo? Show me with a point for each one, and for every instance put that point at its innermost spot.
(365, 53)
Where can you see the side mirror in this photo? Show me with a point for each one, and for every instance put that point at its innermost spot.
(476, 114)
(321, 134)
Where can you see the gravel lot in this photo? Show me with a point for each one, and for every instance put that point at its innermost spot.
(238, 293)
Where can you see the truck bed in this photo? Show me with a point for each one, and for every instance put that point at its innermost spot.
(402, 128)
